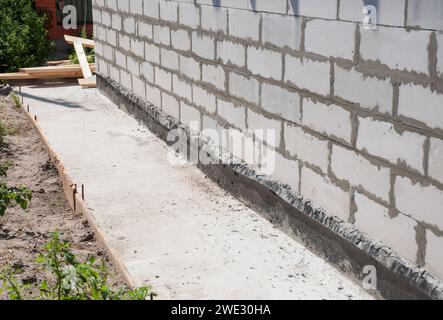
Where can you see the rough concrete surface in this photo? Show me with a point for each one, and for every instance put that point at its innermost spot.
(170, 225)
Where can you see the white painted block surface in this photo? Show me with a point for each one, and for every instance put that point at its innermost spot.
(330, 38)
(231, 53)
(235, 115)
(330, 120)
(389, 12)
(421, 104)
(326, 9)
(214, 75)
(203, 46)
(308, 74)
(265, 63)
(398, 233)
(271, 128)
(306, 147)
(244, 24)
(425, 14)
(214, 19)
(382, 140)
(434, 254)
(281, 31)
(347, 165)
(369, 92)
(281, 102)
(170, 105)
(392, 47)
(423, 203)
(204, 99)
(314, 187)
(244, 87)
(436, 159)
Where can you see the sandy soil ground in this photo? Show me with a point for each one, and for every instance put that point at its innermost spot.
(23, 233)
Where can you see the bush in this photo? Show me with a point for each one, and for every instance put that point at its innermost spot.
(23, 37)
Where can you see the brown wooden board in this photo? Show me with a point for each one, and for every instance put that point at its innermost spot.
(87, 43)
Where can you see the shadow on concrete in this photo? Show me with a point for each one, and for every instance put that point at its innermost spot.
(58, 102)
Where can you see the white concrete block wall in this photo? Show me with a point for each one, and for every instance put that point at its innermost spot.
(369, 92)
(421, 104)
(440, 55)
(425, 14)
(308, 74)
(281, 102)
(354, 114)
(281, 30)
(391, 47)
(397, 147)
(315, 186)
(314, 8)
(306, 147)
(421, 202)
(330, 38)
(434, 256)
(359, 172)
(330, 120)
(244, 24)
(435, 156)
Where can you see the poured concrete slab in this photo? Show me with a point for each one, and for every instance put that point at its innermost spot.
(170, 226)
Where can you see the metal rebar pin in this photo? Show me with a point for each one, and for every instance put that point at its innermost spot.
(74, 192)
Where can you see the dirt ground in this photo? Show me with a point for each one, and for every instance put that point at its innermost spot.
(23, 233)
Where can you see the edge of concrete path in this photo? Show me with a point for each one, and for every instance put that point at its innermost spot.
(77, 202)
(335, 240)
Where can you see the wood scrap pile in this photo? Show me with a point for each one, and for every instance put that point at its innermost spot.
(83, 71)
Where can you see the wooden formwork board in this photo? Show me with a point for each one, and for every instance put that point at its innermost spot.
(87, 43)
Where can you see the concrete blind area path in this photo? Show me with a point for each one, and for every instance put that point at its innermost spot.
(169, 225)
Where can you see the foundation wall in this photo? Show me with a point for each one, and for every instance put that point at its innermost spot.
(357, 112)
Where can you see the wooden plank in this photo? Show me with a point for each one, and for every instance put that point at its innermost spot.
(87, 43)
(81, 55)
(74, 73)
(55, 69)
(15, 76)
(58, 63)
(87, 83)
(58, 75)
(25, 76)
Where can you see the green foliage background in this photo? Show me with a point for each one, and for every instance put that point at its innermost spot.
(23, 36)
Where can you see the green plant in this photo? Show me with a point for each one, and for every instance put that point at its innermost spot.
(23, 36)
(11, 285)
(15, 98)
(2, 133)
(9, 195)
(71, 279)
(90, 54)
(4, 167)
